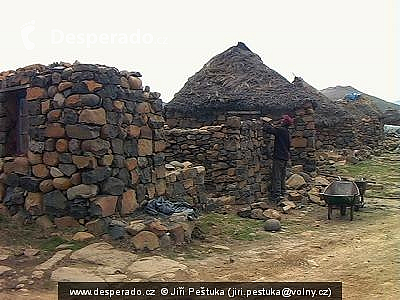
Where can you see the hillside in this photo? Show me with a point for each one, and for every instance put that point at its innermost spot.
(339, 92)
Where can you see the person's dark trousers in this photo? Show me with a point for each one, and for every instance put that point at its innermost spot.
(278, 178)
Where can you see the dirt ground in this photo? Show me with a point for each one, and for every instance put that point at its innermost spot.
(364, 254)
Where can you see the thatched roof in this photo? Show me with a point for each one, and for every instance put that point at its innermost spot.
(236, 80)
(327, 112)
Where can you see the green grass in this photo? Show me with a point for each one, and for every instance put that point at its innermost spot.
(23, 236)
(383, 170)
(230, 226)
(369, 169)
(50, 244)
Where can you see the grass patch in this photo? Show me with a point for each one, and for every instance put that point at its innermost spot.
(230, 226)
(369, 169)
(50, 244)
(383, 170)
(22, 236)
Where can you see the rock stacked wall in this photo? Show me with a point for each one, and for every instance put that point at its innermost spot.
(175, 119)
(232, 155)
(186, 183)
(95, 142)
(366, 132)
(303, 139)
(339, 136)
(369, 132)
(303, 131)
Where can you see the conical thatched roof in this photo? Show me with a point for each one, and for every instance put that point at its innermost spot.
(236, 80)
(327, 112)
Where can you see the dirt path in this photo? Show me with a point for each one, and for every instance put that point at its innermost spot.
(363, 254)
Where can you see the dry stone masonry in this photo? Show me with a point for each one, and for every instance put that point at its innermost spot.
(80, 140)
(232, 155)
(185, 182)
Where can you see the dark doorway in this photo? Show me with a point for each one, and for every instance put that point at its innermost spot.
(14, 122)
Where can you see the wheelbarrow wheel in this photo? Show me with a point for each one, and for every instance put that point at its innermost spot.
(351, 212)
(329, 212)
(343, 210)
(360, 203)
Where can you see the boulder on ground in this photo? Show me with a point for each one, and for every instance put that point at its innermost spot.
(272, 225)
(146, 240)
(295, 182)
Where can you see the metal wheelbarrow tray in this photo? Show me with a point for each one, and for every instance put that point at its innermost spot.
(340, 195)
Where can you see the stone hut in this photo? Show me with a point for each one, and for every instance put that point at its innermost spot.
(80, 140)
(335, 126)
(216, 120)
(237, 83)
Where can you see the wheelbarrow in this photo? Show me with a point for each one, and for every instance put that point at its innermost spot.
(362, 185)
(341, 194)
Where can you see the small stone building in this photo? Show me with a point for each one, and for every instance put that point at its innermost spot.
(342, 123)
(224, 102)
(335, 126)
(80, 140)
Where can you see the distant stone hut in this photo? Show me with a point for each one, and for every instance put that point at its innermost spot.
(342, 123)
(335, 126)
(80, 140)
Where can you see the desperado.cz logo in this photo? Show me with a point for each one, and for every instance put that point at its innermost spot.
(58, 37)
(89, 39)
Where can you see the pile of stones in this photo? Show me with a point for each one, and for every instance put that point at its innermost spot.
(145, 232)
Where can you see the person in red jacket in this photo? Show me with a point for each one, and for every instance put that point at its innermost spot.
(281, 156)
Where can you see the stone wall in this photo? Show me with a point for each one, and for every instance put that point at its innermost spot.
(185, 182)
(175, 119)
(369, 132)
(351, 135)
(95, 142)
(340, 136)
(232, 154)
(303, 132)
(303, 138)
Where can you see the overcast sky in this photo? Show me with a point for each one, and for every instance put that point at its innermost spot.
(328, 43)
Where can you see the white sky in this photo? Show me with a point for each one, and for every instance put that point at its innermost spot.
(328, 43)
